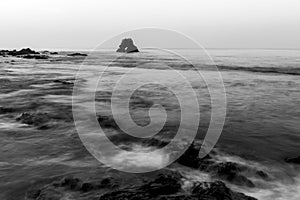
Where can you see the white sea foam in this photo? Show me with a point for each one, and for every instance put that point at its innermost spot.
(277, 190)
(140, 157)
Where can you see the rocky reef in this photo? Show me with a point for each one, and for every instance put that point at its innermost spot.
(127, 46)
(28, 53)
(162, 185)
(24, 53)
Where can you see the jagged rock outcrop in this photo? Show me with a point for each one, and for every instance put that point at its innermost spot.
(227, 171)
(162, 185)
(24, 51)
(127, 46)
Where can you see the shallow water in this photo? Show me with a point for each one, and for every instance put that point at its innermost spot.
(261, 127)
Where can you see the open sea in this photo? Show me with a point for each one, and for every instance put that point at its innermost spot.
(261, 128)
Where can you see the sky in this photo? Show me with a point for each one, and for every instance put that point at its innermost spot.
(84, 24)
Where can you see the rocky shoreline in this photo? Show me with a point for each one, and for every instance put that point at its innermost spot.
(28, 53)
(162, 185)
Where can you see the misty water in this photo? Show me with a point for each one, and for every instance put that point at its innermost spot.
(261, 127)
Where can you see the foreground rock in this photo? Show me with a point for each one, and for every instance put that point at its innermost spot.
(228, 171)
(165, 184)
(127, 46)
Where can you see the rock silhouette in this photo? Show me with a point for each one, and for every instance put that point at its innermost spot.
(127, 46)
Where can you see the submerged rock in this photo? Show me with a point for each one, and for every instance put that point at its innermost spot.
(107, 122)
(4, 110)
(35, 119)
(64, 82)
(295, 160)
(77, 54)
(127, 46)
(39, 57)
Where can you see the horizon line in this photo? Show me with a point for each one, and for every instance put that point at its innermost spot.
(113, 48)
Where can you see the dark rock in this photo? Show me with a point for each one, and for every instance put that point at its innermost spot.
(33, 194)
(53, 53)
(35, 119)
(64, 82)
(167, 187)
(33, 56)
(164, 184)
(217, 191)
(107, 122)
(262, 174)
(230, 172)
(86, 187)
(22, 52)
(127, 46)
(77, 54)
(71, 183)
(4, 110)
(295, 160)
(108, 182)
(190, 158)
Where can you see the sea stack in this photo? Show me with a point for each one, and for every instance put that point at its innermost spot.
(127, 46)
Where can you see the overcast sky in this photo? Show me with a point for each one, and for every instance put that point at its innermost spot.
(83, 24)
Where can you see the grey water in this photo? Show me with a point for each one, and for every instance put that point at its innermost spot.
(261, 127)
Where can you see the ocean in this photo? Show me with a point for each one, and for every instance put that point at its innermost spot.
(261, 127)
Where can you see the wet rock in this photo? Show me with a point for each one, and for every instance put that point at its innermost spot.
(33, 194)
(227, 171)
(107, 122)
(164, 184)
(24, 51)
(230, 172)
(71, 183)
(53, 53)
(38, 57)
(167, 183)
(262, 174)
(4, 110)
(127, 46)
(86, 187)
(77, 54)
(295, 160)
(190, 158)
(35, 119)
(168, 187)
(3, 52)
(217, 191)
(107, 182)
(64, 82)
